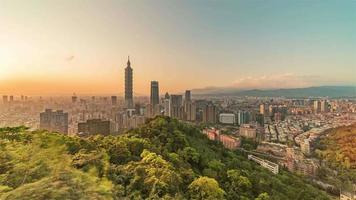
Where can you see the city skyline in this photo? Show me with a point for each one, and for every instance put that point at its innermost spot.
(242, 44)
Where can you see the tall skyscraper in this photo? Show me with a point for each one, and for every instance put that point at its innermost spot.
(189, 107)
(154, 93)
(54, 121)
(129, 85)
(187, 96)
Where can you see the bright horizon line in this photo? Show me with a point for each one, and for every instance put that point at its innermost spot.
(162, 93)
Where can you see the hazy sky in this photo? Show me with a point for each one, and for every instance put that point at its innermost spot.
(66, 46)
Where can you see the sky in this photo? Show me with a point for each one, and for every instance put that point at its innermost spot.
(55, 47)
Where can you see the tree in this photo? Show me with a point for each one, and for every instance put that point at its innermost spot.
(204, 188)
(237, 186)
(263, 196)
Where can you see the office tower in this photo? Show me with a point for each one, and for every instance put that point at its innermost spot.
(54, 121)
(5, 99)
(128, 85)
(74, 98)
(209, 113)
(317, 106)
(114, 100)
(11, 98)
(243, 117)
(154, 93)
(176, 106)
(95, 126)
(22, 98)
(166, 96)
(187, 96)
(190, 109)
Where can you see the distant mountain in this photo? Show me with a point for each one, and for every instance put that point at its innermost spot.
(321, 91)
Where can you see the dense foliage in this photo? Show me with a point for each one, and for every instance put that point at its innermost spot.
(337, 148)
(164, 159)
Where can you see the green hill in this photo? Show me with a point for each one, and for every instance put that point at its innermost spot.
(164, 159)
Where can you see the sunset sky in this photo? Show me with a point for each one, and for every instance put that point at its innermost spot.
(63, 46)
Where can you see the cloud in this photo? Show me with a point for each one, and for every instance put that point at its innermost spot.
(275, 81)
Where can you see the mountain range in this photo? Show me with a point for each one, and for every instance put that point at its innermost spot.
(319, 91)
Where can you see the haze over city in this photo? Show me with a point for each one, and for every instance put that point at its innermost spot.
(61, 46)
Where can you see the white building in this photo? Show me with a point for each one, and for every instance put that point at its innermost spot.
(227, 118)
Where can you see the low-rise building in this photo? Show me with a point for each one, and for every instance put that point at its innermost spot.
(228, 141)
(248, 131)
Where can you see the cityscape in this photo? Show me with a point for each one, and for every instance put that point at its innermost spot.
(276, 137)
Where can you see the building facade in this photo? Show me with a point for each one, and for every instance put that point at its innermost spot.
(54, 121)
(129, 85)
(95, 126)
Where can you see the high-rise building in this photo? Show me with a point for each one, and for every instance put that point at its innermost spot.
(190, 109)
(176, 106)
(263, 109)
(54, 121)
(324, 106)
(114, 100)
(317, 106)
(154, 93)
(95, 126)
(210, 113)
(5, 99)
(243, 117)
(129, 85)
(11, 98)
(260, 119)
(188, 96)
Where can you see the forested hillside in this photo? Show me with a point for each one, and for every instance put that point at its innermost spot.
(164, 159)
(337, 148)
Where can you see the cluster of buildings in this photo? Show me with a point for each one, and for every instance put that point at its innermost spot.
(283, 128)
(229, 141)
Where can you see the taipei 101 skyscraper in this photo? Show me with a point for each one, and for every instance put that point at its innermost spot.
(128, 85)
